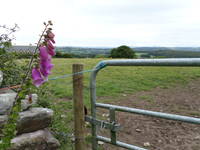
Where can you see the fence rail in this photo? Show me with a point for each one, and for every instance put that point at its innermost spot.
(151, 113)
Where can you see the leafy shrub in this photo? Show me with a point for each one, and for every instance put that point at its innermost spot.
(63, 55)
(122, 52)
(23, 54)
(12, 68)
(44, 95)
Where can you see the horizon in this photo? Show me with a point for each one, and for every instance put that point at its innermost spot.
(120, 45)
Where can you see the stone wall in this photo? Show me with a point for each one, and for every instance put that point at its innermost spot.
(32, 125)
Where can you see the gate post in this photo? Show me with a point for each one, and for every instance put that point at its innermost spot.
(79, 120)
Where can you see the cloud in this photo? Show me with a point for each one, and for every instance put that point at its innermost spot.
(106, 22)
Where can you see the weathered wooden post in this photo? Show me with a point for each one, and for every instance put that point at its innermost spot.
(79, 125)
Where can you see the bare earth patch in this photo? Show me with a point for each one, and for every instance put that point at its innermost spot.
(160, 134)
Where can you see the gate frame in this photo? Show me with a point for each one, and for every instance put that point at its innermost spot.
(180, 62)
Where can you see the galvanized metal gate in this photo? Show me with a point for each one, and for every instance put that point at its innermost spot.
(112, 125)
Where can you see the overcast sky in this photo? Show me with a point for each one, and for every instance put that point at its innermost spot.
(106, 22)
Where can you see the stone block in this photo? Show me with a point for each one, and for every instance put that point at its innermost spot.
(34, 119)
(38, 140)
(31, 120)
(7, 100)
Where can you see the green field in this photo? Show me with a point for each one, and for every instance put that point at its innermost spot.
(112, 83)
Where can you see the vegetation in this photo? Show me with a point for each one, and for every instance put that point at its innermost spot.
(26, 87)
(12, 68)
(63, 55)
(110, 79)
(122, 52)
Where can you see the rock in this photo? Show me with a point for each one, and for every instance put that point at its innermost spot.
(159, 141)
(138, 130)
(88, 125)
(105, 115)
(100, 142)
(29, 101)
(6, 102)
(1, 77)
(124, 95)
(147, 144)
(38, 140)
(197, 137)
(3, 91)
(31, 120)
(7, 99)
(34, 119)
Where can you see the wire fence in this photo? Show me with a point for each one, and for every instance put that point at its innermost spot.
(50, 79)
(55, 78)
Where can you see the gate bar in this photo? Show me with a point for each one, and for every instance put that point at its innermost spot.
(153, 62)
(118, 143)
(130, 62)
(150, 113)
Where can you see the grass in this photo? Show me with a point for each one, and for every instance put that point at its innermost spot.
(112, 83)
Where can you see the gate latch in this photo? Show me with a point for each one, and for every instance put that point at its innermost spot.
(113, 126)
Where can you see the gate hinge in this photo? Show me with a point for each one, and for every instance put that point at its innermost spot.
(103, 124)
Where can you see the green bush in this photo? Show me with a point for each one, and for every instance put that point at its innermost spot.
(13, 69)
(23, 54)
(63, 55)
(122, 52)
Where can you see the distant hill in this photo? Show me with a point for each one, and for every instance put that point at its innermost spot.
(168, 52)
(104, 50)
(166, 48)
(171, 54)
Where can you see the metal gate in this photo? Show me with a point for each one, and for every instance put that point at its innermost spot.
(112, 125)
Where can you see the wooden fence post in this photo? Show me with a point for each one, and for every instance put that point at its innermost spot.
(79, 125)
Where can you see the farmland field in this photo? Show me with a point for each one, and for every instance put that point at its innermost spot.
(113, 81)
(112, 84)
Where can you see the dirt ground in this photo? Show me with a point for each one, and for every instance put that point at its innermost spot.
(159, 134)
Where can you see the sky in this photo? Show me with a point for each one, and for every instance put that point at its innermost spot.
(106, 23)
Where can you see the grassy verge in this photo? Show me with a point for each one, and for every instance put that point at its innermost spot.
(112, 83)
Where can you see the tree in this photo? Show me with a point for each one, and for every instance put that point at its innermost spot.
(122, 52)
